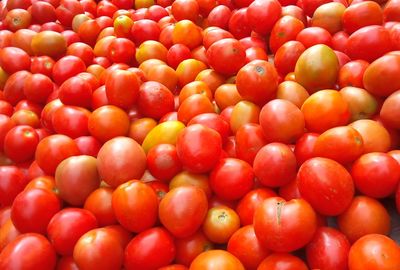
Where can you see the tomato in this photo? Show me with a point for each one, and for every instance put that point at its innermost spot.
(186, 178)
(8, 233)
(185, 10)
(329, 17)
(216, 259)
(28, 251)
(362, 14)
(44, 205)
(38, 87)
(364, 216)
(66, 263)
(326, 185)
(155, 100)
(284, 226)
(219, 16)
(14, 87)
(188, 70)
(92, 250)
(263, 14)
(309, 6)
(238, 23)
(122, 88)
(176, 54)
(362, 104)
(183, 210)
(314, 35)
(190, 247)
(67, 67)
(163, 162)
(231, 179)
(67, 226)
(369, 43)
(13, 181)
(247, 248)
(374, 251)
(325, 109)
(214, 121)
(376, 137)
(329, 249)
(49, 43)
(67, 10)
(150, 249)
(43, 65)
(220, 223)
(287, 55)
(165, 132)
(226, 95)
(99, 203)
(45, 182)
(322, 73)
(257, 81)
(135, 206)
(282, 261)
(191, 151)
(54, 149)
(14, 59)
(284, 30)
(17, 19)
(20, 143)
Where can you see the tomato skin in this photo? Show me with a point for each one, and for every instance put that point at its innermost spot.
(66, 263)
(191, 151)
(38, 87)
(13, 181)
(183, 210)
(135, 206)
(262, 15)
(219, 16)
(99, 202)
(362, 14)
(44, 205)
(364, 216)
(311, 36)
(284, 30)
(28, 251)
(71, 121)
(75, 91)
(14, 87)
(363, 253)
(13, 59)
(281, 162)
(20, 143)
(282, 261)
(326, 185)
(67, 226)
(247, 248)
(91, 250)
(122, 88)
(249, 140)
(284, 226)
(216, 259)
(231, 179)
(54, 149)
(329, 249)
(155, 100)
(150, 249)
(190, 247)
(287, 55)
(67, 67)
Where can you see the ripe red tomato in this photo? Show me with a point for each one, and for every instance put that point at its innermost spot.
(326, 185)
(67, 67)
(182, 210)
(122, 88)
(14, 59)
(13, 181)
(29, 251)
(362, 14)
(263, 14)
(163, 161)
(71, 121)
(284, 226)
(249, 140)
(20, 143)
(150, 249)
(67, 226)
(190, 247)
(99, 202)
(276, 261)
(135, 206)
(314, 35)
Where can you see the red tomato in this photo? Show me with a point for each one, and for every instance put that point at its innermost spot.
(284, 30)
(351, 74)
(99, 202)
(92, 251)
(67, 226)
(239, 24)
(67, 67)
(145, 29)
(122, 50)
(135, 206)
(14, 59)
(8, 233)
(216, 259)
(219, 16)
(150, 249)
(389, 110)
(287, 55)
(190, 247)
(284, 226)
(280, 160)
(28, 251)
(263, 14)
(38, 87)
(119, 160)
(249, 139)
(71, 121)
(362, 14)
(43, 65)
(14, 87)
(245, 245)
(329, 249)
(314, 35)
(214, 121)
(368, 253)
(376, 174)
(81, 50)
(122, 88)
(231, 179)
(282, 261)
(163, 161)
(20, 143)
(13, 181)
(199, 148)
(326, 185)
(182, 210)
(44, 204)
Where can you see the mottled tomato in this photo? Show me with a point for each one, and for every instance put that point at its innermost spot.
(245, 245)
(284, 226)
(186, 178)
(364, 216)
(199, 148)
(280, 261)
(44, 204)
(329, 17)
(135, 206)
(216, 259)
(376, 137)
(329, 249)
(326, 185)
(362, 104)
(17, 19)
(67, 226)
(182, 210)
(43, 65)
(374, 251)
(49, 43)
(28, 251)
(220, 223)
(150, 249)
(187, 33)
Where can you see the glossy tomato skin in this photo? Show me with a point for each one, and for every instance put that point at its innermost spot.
(13, 181)
(249, 139)
(216, 259)
(155, 100)
(75, 91)
(284, 226)
(150, 249)
(71, 121)
(20, 143)
(190, 247)
(284, 30)
(122, 88)
(13, 59)
(277, 260)
(67, 226)
(361, 254)
(44, 205)
(329, 249)
(191, 151)
(67, 67)
(182, 210)
(231, 179)
(163, 162)
(262, 15)
(28, 251)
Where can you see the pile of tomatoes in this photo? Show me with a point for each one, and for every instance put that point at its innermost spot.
(199, 134)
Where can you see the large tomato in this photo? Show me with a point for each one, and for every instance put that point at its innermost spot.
(276, 261)
(20, 143)
(216, 259)
(122, 88)
(284, 226)
(183, 209)
(326, 185)
(263, 14)
(13, 181)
